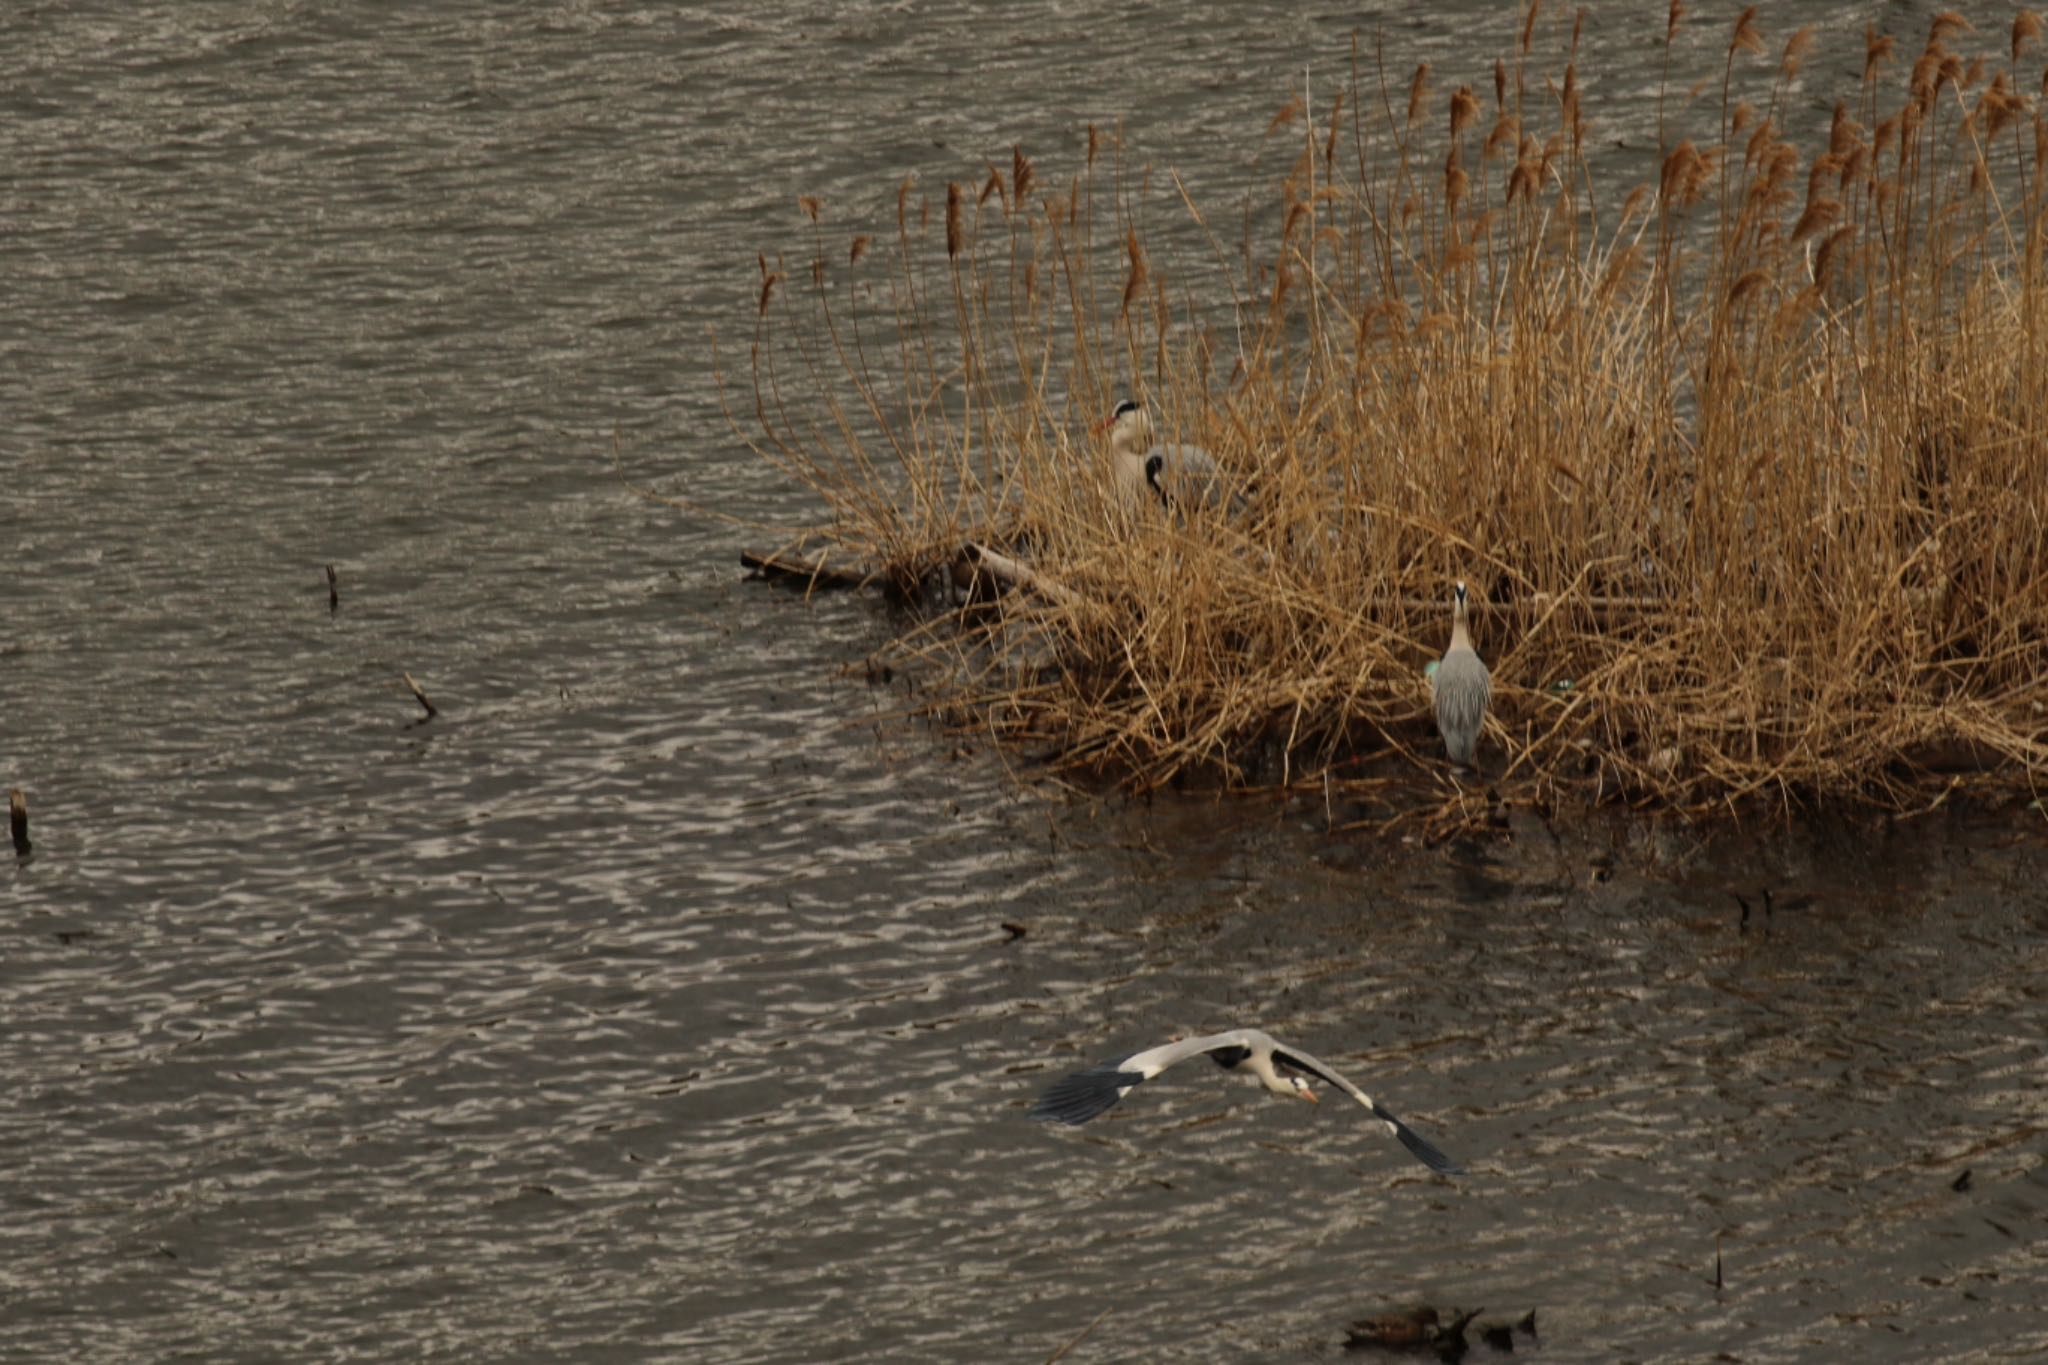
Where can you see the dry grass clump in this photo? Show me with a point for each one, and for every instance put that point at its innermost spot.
(1747, 466)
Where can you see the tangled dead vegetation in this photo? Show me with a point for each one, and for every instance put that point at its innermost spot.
(1747, 465)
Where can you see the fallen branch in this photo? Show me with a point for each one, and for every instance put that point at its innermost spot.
(813, 573)
(1017, 574)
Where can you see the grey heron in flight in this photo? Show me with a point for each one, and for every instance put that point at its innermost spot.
(1280, 1069)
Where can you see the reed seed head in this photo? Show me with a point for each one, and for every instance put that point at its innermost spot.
(1504, 137)
(1946, 25)
(1747, 37)
(1843, 130)
(1418, 94)
(1824, 259)
(1135, 280)
(1464, 110)
(1820, 213)
(1796, 49)
(2026, 28)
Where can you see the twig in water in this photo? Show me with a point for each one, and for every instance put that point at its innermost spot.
(1055, 1356)
(333, 592)
(17, 820)
(420, 696)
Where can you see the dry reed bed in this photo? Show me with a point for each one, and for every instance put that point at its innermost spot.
(1748, 467)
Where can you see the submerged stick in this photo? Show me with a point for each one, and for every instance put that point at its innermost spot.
(333, 592)
(420, 696)
(17, 820)
(814, 573)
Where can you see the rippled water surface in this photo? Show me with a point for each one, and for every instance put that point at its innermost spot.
(654, 1001)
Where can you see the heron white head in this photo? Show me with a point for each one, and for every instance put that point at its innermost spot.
(1287, 1083)
(1129, 427)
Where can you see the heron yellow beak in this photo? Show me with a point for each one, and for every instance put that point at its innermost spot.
(1311, 1096)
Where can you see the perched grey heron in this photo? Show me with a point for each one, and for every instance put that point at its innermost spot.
(1463, 687)
(1247, 1051)
(1180, 476)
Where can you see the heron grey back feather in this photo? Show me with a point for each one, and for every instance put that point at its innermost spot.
(1463, 688)
(1188, 476)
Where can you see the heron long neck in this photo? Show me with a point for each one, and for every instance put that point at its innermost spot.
(1461, 635)
(1261, 1066)
(1131, 437)
(1129, 470)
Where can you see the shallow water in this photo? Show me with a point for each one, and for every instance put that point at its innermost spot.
(653, 1000)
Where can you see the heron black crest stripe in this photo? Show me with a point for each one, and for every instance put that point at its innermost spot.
(1121, 408)
(1154, 465)
(1075, 1099)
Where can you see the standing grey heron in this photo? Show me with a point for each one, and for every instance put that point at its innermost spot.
(1463, 687)
(1180, 476)
(1280, 1069)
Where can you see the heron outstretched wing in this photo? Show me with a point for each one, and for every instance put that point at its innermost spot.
(1075, 1099)
(1424, 1152)
(1084, 1095)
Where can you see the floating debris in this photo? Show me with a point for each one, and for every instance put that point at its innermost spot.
(17, 821)
(420, 696)
(1446, 1333)
(810, 572)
